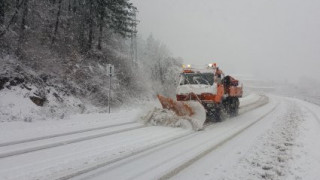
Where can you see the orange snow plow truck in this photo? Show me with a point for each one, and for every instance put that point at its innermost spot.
(205, 93)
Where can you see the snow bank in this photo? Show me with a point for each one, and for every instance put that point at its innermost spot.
(164, 117)
(16, 105)
(251, 98)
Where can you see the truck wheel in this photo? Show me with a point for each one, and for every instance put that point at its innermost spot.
(227, 105)
(214, 115)
(234, 106)
(218, 115)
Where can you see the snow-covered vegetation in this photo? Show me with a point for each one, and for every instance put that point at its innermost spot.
(54, 54)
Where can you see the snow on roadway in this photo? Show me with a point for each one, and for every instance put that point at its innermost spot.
(30, 146)
(284, 146)
(249, 99)
(273, 147)
(18, 130)
(63, 159)
(159, 163)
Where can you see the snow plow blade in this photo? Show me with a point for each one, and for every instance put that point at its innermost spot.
(191, 110)
(179, 107)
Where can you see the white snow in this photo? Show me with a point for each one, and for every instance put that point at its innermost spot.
(249, 99)
(283, 146)
(15, 105)
(19, 130)
(165, 160)
(164, 117)
(279, 140)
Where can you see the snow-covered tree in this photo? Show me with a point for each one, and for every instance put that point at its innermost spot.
(69, 42)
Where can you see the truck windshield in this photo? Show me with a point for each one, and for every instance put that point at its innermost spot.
(197, 78)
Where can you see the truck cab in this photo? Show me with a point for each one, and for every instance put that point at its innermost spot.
(215, 93)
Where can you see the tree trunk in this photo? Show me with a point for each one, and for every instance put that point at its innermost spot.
(23, 25)
(57, 23)
(69, 6)
(100, 32)
(90, 38)
(161, 75)
(74, 7)
(2, 13)
(13, 19)
(101, 11)
(18, 5)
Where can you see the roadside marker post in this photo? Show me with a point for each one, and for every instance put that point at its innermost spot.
(110, 73)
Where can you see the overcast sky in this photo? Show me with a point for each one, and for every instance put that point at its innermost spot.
(273, 39)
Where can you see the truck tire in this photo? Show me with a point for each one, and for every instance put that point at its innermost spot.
(231, 106)
(234, 106)
(214, 114)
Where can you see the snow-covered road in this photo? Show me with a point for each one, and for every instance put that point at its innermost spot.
(273, 139)
(284, 145)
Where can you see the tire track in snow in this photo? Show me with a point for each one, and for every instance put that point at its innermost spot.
(268, 158)
(66, 142)
(97, 136)
(111, 151)
(61, 134)
(262, 101)
(313, 114)
(204, 153)
(153, 148)
(150, 151)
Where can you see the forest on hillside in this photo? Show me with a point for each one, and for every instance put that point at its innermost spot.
(63, 46)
